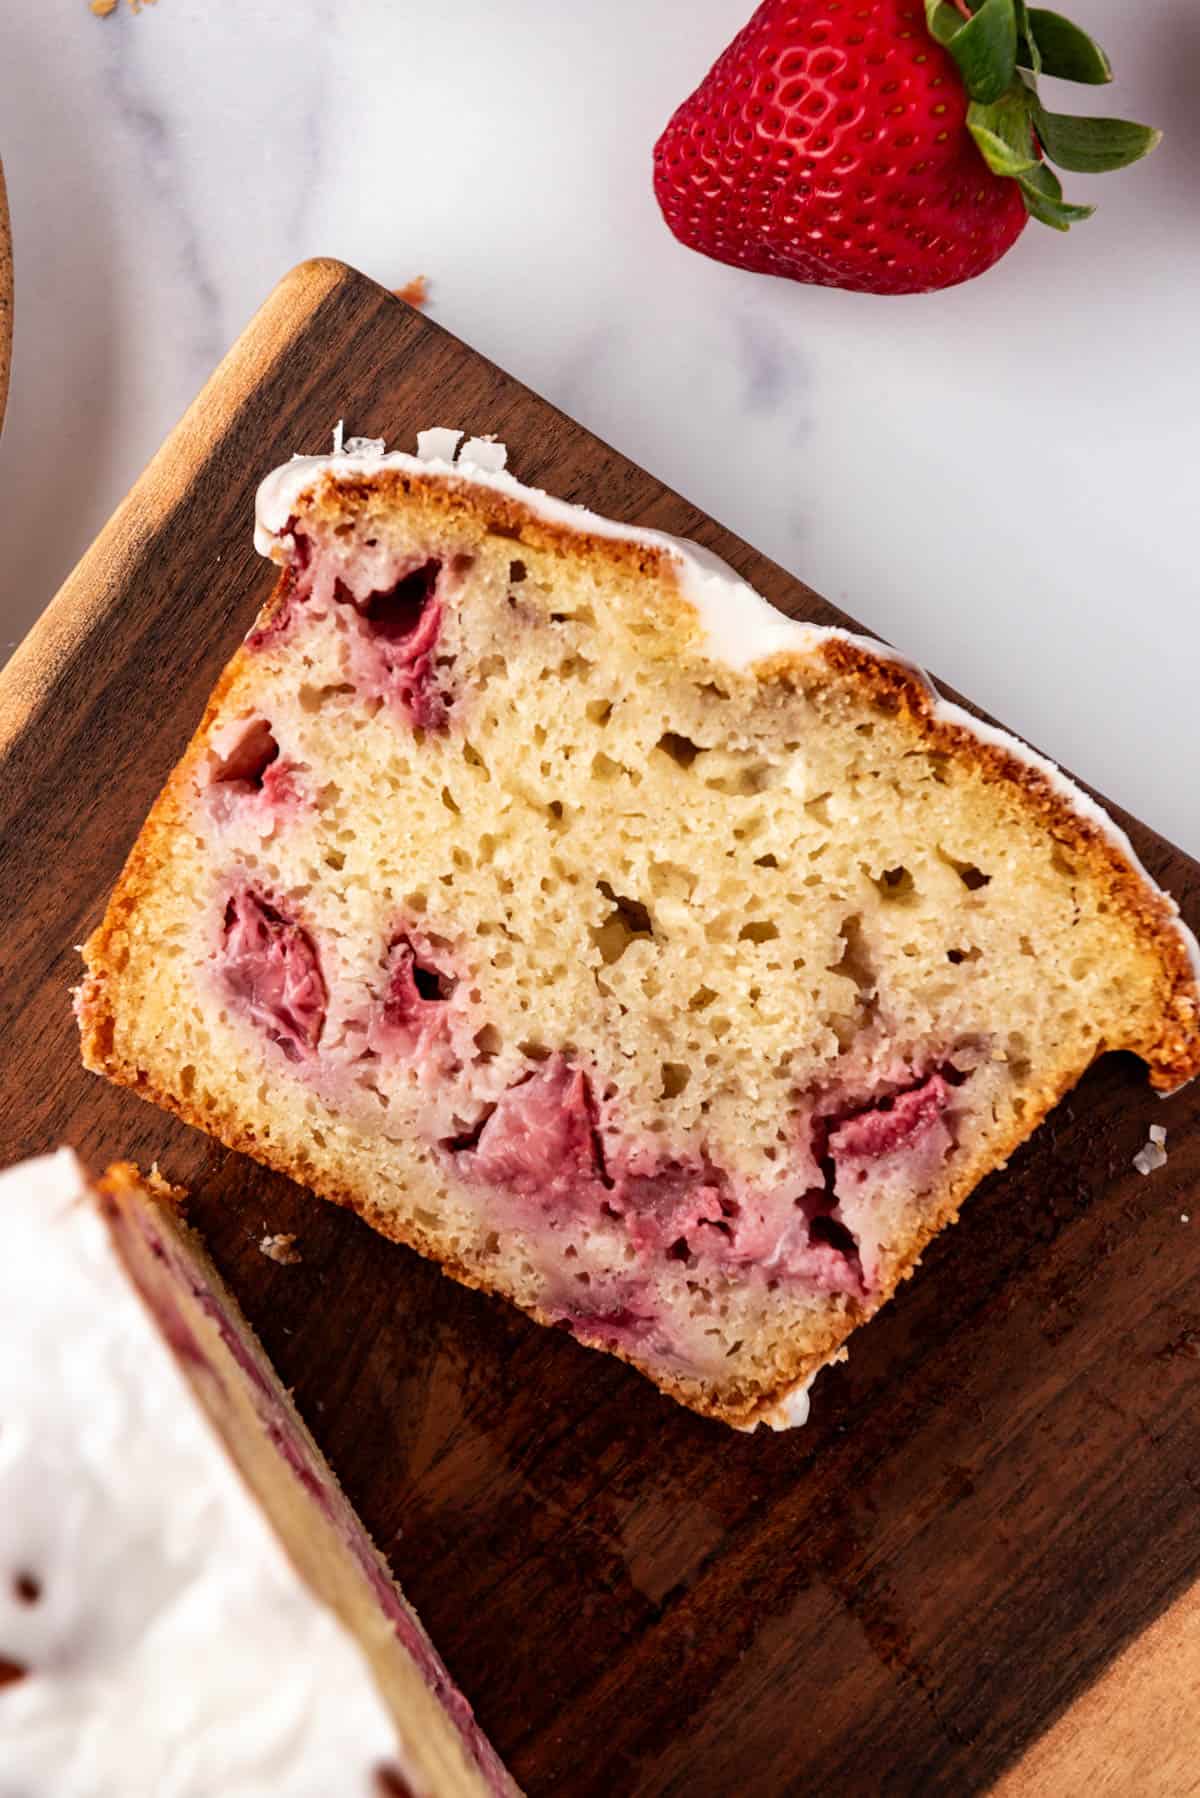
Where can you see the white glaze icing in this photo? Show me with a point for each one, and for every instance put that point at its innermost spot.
(173, 1651)
(484, 453)
(791, 1411)
(740, 625)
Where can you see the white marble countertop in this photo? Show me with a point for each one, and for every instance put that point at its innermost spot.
(1001, 479)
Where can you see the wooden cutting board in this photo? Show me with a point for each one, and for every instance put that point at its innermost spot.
(993, 1498)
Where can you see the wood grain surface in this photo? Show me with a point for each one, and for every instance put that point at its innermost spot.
(1134, 1734)
(993, 1498)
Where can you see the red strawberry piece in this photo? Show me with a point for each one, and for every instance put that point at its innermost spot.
(398, 634)
(417, 987)
(270, 967)
(829, 143)
(893, 1123)
(541, 1142)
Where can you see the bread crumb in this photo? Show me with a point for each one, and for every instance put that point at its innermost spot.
(280, 1248)
(1149, 1159)
(1154, 1154)
(102, 8)
(416, 291)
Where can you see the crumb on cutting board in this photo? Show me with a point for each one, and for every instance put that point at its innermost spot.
(416, 291)
(1153, 1154)
(280, 1248)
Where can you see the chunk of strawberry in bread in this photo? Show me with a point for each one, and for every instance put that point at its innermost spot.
(270, 972)
(670, 968)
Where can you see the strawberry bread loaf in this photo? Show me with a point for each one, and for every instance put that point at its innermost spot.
(189, 1605)
(669, 967)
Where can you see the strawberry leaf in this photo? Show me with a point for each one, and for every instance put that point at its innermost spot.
(1042, 193)
(942, 20)
(1064, 50)
(984, 46)
(1028, 54)
(1001, 48)
(1092, 146)
(1003, 131)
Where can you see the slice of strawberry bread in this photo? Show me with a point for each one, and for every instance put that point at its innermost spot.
(153, 1636)
(672, 968)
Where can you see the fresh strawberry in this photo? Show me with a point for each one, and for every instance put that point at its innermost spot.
(889, 146)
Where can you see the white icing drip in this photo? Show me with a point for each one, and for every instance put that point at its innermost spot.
(484, 453)
(792, 1410)
(789, 1412)
(741, 626)
(440, 444)
(173, 1649)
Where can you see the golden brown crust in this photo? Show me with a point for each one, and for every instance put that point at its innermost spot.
(1169, 1042)
(124, 1179)
(502, 515)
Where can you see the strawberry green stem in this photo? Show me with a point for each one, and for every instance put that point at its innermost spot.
(1001, 47)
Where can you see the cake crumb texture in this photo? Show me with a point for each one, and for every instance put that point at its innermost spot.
(680, 1003)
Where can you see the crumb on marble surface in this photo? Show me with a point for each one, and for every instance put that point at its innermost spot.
(416, 291)
(281, 1248)
(102, 8)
